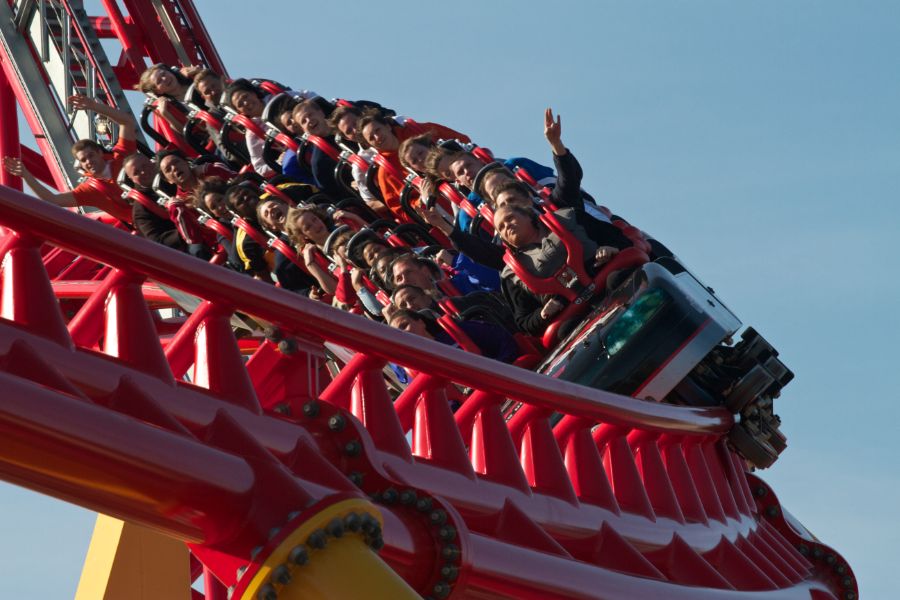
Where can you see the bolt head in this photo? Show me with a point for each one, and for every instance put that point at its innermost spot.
(281, 575)
(337, 422)
(335, 528)
(441, 590)
(267, 592)
(317, 539)
(356, 478)
(299, 556)
(447, 533)
(352, 448)
(311, 409)
(438, 517)
(423, 504)
(389, 496)
(407, 497)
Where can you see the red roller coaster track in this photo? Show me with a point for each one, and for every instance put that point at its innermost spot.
(281, 474)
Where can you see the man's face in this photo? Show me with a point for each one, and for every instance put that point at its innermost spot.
(514, 228)
(272, 214)
(411, 299)
(464, 169)
(177, 171)
(247, 103)
(244, 202)
(513, 198)
(91, 160)
(380, 137)
(371, 252)
(347, 127)
(141, 171)
(215, 204)
(408, 272)
(311, 120)
(410, 325)
(415, 157)
(210, 89)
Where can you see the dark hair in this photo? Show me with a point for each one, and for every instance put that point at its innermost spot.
(84, 144)
(340, 112)
(434, 158)
(233, 191)
(211, 185)
(407, 286)
(241, 85)
(515, 186)
(425, 316)
(204, 73)
(169, 152)
(478, 183)
(374, 115)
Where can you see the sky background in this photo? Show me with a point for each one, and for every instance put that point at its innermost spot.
(760, 141)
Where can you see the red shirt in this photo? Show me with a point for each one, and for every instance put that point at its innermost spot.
(390, 187)
(105, 193)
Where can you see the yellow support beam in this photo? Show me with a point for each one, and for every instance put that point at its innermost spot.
(128, 562)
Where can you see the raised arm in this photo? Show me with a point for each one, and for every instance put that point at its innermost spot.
(124, 118)
(16, 167)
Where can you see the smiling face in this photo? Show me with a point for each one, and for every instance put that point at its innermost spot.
(272, 214)
(515, 228)
(464, 168)
(247, 103)
(380, 137)
(177, 171)
(163, 81)
(286, 120)
(371, 252)
(91, 160)
(140, 170)
(311, 119)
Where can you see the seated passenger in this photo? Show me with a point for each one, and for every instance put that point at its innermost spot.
(141, 171)
(542, 253)
(272, 214)
(94, 162)
(385, 135)
(247, 256)
(178, 171)
(210, 86)
(413, 152)
(247, 100)
(490, 340)
(209, 197)
(168, 83)
(308, 228)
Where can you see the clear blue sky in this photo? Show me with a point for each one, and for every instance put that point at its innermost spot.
(760, 141)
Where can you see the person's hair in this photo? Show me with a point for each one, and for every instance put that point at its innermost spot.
(486, 171)
(233, 191)
(419, 262)
(315, 102)
(204, 73)
(169, 152)
(431, 325)
(407, 286)
(294, 213)
(340, 112)
(513, 186)
(341, 239)
(144, 84)
(130, 158)
(423, 139)
(269, 199)
(374, 115)
(389, 256)
(435, 155)
(240, 85)
(210, 185)
(84, 145)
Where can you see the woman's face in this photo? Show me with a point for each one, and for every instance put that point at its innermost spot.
(415, 157)
(247, 103)
(163, 81)
(312, 228)
(272, 214)
(215, 204)
(380, 137)
(347, 127)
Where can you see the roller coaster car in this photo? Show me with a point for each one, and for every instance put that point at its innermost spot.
(662, 335)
